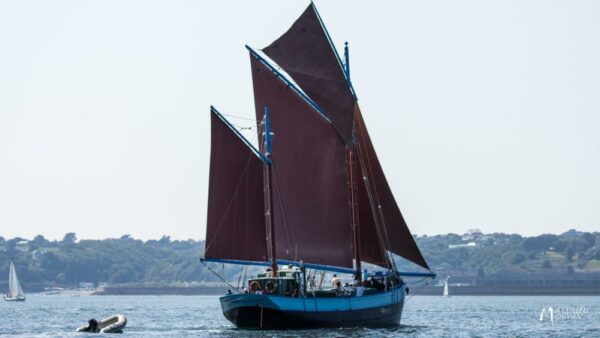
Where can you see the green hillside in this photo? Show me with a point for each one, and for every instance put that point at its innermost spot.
(41, 263)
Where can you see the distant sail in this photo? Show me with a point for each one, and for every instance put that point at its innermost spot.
(14, 287)
(307, 55)
(311, 209)
(446, 294)
(236, 221)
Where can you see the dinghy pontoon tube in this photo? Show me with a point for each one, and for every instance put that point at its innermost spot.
(112, 324)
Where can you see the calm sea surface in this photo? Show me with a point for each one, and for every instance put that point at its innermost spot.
(200, 316)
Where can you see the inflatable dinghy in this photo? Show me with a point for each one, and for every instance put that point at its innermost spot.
(112, 324)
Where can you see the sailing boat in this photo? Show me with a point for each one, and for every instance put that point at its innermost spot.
(312, 197)
(15, 292)
(446, 294)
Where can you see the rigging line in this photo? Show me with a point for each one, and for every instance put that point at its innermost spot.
(281, 205)
(363, 140)
(240, 276)
(382, 248)
(289, 233)
(293, 86)
(414, 293)
(218, 276)
(239, 117)
(352, 197)
(239, 184)
(292, 235)
(254, 136)
(241, 127)
(373, 209)
(370, 172)
(245, 275)
(386, 236)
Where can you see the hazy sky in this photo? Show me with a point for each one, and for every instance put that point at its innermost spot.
(484, 114)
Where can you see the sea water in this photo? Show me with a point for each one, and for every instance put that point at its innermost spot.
(201, 316)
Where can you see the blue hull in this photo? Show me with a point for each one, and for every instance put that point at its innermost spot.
(277, 312)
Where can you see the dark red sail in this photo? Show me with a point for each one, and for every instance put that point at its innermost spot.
(312, 215)
(370, 241)
(393, 229)
(307, 55)
(236, 221)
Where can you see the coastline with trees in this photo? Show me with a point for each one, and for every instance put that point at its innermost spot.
(495, 263)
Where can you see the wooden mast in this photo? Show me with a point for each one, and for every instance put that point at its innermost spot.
(352, 179)
(353, 217)
(269, 214)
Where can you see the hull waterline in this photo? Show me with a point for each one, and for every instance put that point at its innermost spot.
(14, 299)
(277, 312)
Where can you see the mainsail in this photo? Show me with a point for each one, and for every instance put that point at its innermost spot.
(309, 177)
(236, 222)
(14, 287)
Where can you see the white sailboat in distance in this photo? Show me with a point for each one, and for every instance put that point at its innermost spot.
(446, 294)
(15, 292)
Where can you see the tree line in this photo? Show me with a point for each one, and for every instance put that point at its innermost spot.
(41, 263)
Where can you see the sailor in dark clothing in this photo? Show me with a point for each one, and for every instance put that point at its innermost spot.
(92, 326)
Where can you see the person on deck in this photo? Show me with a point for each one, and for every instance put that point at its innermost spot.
(360, 290)
(358, 285)
(338, 289)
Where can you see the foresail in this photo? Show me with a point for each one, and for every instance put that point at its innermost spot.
(372, 249)
(312, 215)
(307, 55)
(235, 222)
(394, 231)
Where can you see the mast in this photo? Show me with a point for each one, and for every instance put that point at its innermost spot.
(269, 214)
(353, 204)
(352, 182)
(347, 61)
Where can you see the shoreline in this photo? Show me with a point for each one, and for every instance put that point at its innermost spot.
(426, 291)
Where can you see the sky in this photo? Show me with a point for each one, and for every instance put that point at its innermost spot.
(484, 114)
